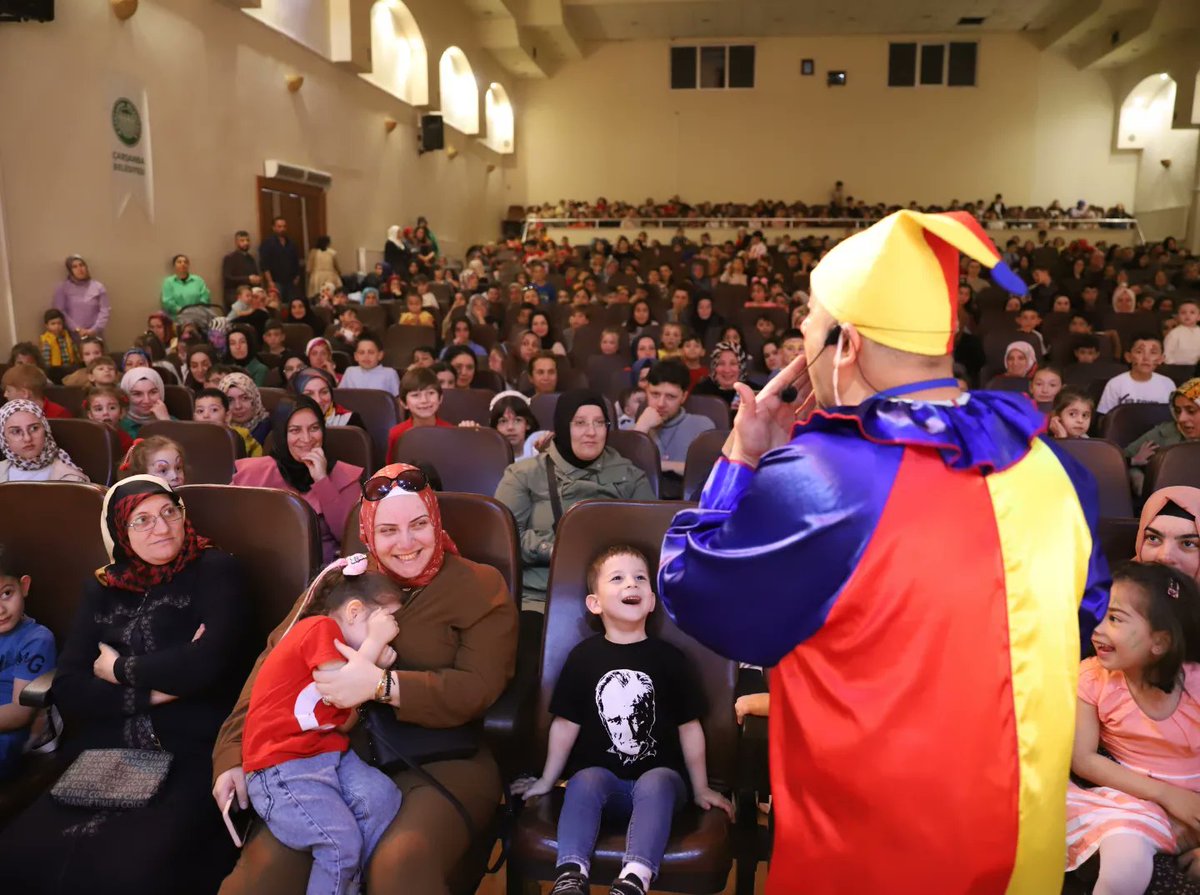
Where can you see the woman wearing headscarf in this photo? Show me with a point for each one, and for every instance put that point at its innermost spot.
(319, 385)
(241, 350)
(30, 451)
(585, 468)
(1020, 362)
(727, 366)
(1184, 426)
(134, 357)
(297, 463)
(153, 662)
(1168, 532)
(456, 651)
(83, 301)
(144, 386)
(704, 321)
(395, 251)
(246, 405)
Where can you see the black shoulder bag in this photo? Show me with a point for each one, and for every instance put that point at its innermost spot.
(552, 483)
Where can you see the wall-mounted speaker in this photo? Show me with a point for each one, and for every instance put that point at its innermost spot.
(432, 134)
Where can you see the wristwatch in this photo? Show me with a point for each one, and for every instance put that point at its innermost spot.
(383, 691)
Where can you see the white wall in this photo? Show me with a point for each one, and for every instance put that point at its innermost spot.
(1034, 129)
(218, 108)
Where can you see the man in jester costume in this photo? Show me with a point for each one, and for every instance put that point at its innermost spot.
(918, 567)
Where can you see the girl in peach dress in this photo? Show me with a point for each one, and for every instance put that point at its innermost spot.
(1139, 697)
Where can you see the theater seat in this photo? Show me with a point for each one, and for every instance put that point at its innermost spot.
(1106, 463)
(378, 411)
(274, 534)
(273, 397)
(459, 404)
(710, 406)
(399, 342)
(640, 450)
(349, 444)
(1177, 373)
(296, 336)
(1125, 423)
(701, 457)
(1118, 539)
(178, 399)
(69, 396)
(699, 854)
(209, 451)
(52, 531)
(94, 447)
(466, 459)
(1178, 464)
(542, 407)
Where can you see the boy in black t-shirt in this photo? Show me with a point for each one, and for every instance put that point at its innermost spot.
(627, 728)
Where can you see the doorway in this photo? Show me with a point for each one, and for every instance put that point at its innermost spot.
(301, 205)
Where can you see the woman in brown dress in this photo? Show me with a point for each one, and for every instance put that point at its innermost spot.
(456, 649)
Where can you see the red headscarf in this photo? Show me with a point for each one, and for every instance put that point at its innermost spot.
(445, 544)
(127, 570)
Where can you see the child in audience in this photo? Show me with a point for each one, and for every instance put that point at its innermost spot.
(1072, 414)
(1086, 349)
(630, 404)
(369, 371)
(610, 340)
(1182, 345)
(1079, 325)
(106, 404)
(90, 348)
(26, 651)
(157, 455)
(765, 327)
(1045, 386)
(25, 353)
(274, 338)
(102, 371)
(1139, 697)
(575, 322)
(1028, 321)
(26, 382)
(672, 342)
(421, 395)
(626, 729)
(1141, 385)
(423, 357)
(692, 355)
(311, 789)
(414, 312)
(58, 349)
(212, 406)
(446, 377)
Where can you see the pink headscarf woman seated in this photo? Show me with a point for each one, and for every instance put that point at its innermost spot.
(1167, 532)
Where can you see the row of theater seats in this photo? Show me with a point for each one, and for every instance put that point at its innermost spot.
(60, 546)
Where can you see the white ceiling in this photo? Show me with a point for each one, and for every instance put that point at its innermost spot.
(625, 20)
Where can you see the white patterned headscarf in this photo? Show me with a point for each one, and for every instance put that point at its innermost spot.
(50, 449)
(258, 412)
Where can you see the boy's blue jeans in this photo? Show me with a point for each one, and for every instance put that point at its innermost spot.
(649, 802)
(334, 804)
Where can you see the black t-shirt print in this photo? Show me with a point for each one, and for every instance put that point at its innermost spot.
(629, 701)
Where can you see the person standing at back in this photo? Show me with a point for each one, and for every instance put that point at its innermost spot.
(281, 263)
(239, 268)
(919, 566)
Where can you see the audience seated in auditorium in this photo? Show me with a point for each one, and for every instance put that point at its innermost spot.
(162, 683)
(30, 451)
(451, 681)
(145, 389)
(462, 360)
(584, 467)
(1072, 414)
(212, 406)
(727, 366)
(667, 422)
(242, 350)
(512, 418)
(1044, 387)
(1183, 427)
(297, 463)
(421, 395)
(246, 408)
(105, 404)
(369, 371)
(1141, 385)
(201, 358)
(26, 382)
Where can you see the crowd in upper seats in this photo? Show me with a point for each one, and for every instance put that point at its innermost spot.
(624, 335)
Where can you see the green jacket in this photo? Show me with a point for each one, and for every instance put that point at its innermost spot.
(177, 295)
(1164, 435)
(525, 490)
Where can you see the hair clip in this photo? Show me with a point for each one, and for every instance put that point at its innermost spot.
(125, 461)
(1173, 589)
(354, 565)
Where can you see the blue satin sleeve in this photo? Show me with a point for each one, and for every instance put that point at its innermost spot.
(1094, 602)
(755, 569)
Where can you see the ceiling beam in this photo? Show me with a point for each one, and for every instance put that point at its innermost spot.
(1069, 25)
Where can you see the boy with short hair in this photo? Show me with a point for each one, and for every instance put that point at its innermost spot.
(421, 394)
(274, 338)
(1086, 349)
(692, 355)
(627, 728)
(422, 357)
(27, 382)
(1028, 320)
(58, 350)
(90, 348)
(212, 406)
(1141, 385)
(672, 342)
(106, 404)
(765, 326)
(369, 371)
(1182, 345)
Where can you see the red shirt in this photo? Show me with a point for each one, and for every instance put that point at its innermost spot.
(696, 375)
(396, 431)
(55, 411)
(287, 718)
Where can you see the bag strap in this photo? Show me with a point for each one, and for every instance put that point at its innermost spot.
(552, 482)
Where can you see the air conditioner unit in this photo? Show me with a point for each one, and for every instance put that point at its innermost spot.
(297, 173)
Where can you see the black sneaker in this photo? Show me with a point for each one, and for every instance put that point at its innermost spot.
(627, 885)
(570, 883)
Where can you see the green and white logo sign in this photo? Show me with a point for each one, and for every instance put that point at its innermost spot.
(126, 121)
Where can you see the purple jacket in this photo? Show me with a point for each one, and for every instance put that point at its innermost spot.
(85, 305)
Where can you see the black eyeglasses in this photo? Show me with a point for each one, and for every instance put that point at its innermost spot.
(380, 486)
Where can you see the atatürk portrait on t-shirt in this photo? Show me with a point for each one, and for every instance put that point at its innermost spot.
(625, 700)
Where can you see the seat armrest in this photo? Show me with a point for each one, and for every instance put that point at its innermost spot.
(753, 756)
(36, 694)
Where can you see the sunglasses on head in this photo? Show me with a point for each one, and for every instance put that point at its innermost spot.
(378, 487)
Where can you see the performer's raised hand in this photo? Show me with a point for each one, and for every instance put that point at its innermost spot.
(764, 421)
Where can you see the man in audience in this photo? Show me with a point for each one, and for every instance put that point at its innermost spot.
(543, 373)
(905, 718)
(1141, 385)
(281, 262)
(665, 420)
(239, 268)
(546, 291)
(26, 382)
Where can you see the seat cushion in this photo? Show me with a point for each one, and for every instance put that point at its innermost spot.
(698, 858)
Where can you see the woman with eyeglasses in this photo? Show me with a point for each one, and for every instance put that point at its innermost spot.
(30, 453)
(153, 662)
(584, 467)
(456, 649)
(297, 463)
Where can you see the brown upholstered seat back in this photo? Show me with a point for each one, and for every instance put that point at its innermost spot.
(208, 450)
